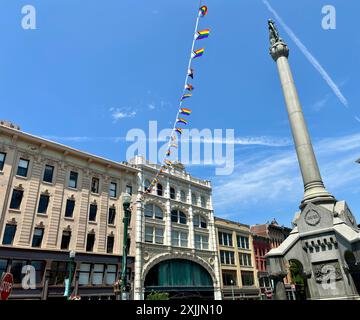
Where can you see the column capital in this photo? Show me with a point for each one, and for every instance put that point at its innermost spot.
(279, 49)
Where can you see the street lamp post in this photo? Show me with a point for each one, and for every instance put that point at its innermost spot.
(126, 221)
(71, 271)
(232, 288)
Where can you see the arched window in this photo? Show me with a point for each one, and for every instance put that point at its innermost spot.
(182, 196)
(178, 216)
(199, 221)
(147, 184)
(172, 193)
(153, 211)
(159, 189)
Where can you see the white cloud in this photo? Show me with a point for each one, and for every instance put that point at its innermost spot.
(273, 176)
(151, 106)
(121, 113)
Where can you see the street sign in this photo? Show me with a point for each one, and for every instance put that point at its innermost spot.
(6, 285)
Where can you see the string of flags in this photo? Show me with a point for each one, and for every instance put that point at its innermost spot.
(183, 112)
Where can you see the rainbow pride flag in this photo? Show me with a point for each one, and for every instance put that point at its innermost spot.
(179, 130)
(182, 120)
(186, 95)
(203, 11)
(202, 34)
(185, 111)
(198, 53)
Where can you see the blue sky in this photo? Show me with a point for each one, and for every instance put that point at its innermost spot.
(93, 70)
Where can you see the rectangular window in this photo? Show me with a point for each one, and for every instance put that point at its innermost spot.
(247, 278)
(3, 266)
(110, 274)
(84, 274)
(149, 234)
(242, 242)
(113, 190)
(2, 160)
(69, 209)
(23, 167)
(48, 173)
(16, 199)
(65, 240)
(37, 237)
(172, 193)
(98, 274)
(43, 203)
(245, 259)
(110, 244)
(179, 239)
(159, 235)
(73, 179)
(203, 202)
(225, 239)
(92, 212)
(58, 272)
(9, 234)
(95, 185)
(229, 278)
(227, 257)
(39, 267)
(112, 214)
(16, 270)
(90, 242)
(201, 242)
(129, 190)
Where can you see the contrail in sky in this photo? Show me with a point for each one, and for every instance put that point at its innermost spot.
(309, 56)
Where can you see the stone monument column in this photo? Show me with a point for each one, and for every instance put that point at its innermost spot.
(313, 185)
(325, 232)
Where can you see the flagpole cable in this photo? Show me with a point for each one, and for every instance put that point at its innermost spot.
(181, 101)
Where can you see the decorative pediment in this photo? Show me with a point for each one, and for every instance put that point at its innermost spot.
(314, 217)
(12, 222)
(40, 225)
(19, 187)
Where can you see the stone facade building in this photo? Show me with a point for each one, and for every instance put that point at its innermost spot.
(237, 261)
(176, 249)
(54, 199)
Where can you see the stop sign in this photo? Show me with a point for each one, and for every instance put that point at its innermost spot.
(6, 285)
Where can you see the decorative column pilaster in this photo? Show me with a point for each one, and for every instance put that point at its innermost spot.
(167, 240)
(138, 281)
(191, 229)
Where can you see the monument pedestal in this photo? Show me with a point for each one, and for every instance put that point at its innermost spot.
(325, 242)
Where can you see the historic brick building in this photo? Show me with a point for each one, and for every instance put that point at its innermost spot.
(262, 246)
(276, 235)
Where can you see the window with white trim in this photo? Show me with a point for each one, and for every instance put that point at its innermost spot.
(201, 242)
(154, 235)
(179, 238)
(153, 211)
(199, 221)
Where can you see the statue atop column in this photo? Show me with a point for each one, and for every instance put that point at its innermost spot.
(273, 33)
